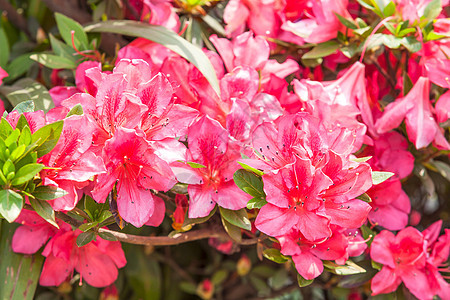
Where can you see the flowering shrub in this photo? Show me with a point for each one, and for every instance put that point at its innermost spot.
(312, 134)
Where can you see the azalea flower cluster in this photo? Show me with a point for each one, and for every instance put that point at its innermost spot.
(154, 121)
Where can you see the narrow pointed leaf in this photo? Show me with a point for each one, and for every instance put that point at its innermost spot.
(238, 218)
(165, 37)
(45, 210)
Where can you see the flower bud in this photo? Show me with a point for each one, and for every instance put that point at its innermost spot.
(243, 265)
(205, 289)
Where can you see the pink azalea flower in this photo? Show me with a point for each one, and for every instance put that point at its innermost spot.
(390, 205)
(246, 50)
(210, 146)
(97, 262)
(260, 16)
(416, 109)
(443, 107)
(71, 162)
(133, 166)
(322, 25)
(33, 233)
(35, 119)
(310, 199)
(308, 256)
(413, 258)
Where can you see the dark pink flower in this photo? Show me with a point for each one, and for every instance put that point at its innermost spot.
(71, 163)
(33, 233)
(133, 166)
(97, 262)
(308, 256)
(210, 146)
(416, 109)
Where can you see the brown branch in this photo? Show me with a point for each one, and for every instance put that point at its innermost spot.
(17, 19)
(179, 238)
(71, 9)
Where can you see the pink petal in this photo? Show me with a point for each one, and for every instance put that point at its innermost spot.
(308, 265)
(230, 196)
(158, 214)
(314, 227)
(29, 239)
(97, 269)
(380, 248)
(200, 201)
(55, 271)
(351, 214)
(385, 281)
(135, 204)
(275, 221)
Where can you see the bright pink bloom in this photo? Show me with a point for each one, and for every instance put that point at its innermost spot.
(97, 262)
(438, 71)
(246, 50)
(390, 205)
(413, 258)
(443, 107)
(308, 256)
(35, 119)
(71, 162)
(322, 25)
(310, 199)
(33, 233)
(416, 109)
(260, 16)
(133, 166)
(210, 146)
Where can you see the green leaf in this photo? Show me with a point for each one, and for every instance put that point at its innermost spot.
(25, 136)
(302, 282)
(233, 231)
(19, 66)
(348, 269)
(193, 221)
(87, 226)
(28, 89)
(11, 204)
(411, 44)
(144, 276)
(364, 197)
(19, 274)
(251, 169)
(214, 24)
(195, 165)
(260, 285)
(442, 168)
(46, 137)
(345, 22)
(85, 238)
(275, 255)
(62, 49)
(432, 10)
(322, 50)
(22, 122)
(361, 159)
(219, 277)
(4, 48)
(165, 37)
(5, 129)
(45, 210)
(53, 61)
(26, 173)
(353, 281)
(379, 177)
(66, 25)
(107, 236)
(389, 9)
(364, 4)
(238, 218)
(407, 83)
(76, 110)
(249, 183)
(256, 202)
(48, 192)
